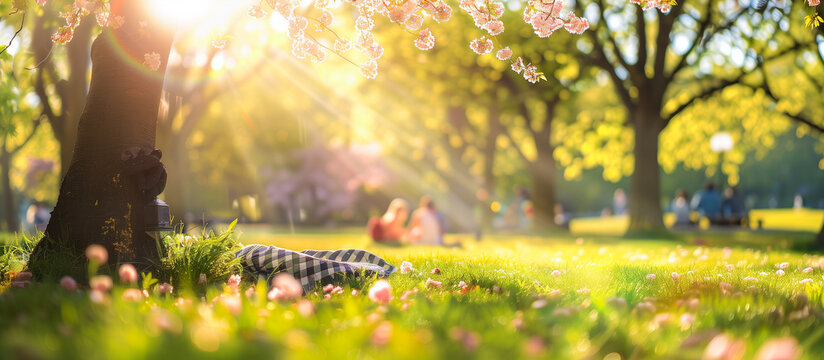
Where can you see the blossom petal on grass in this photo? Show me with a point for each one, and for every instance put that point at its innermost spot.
(406, 267)
(127, 273)
(68, 283)
(133, 295)
(780, 349)
(381, 292)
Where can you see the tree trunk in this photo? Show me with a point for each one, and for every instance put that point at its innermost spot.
(101, 200)
(819, 240)
(645, 214)
(543, 189)
(489, 150)
(9, 206)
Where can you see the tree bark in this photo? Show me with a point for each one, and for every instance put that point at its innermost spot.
(9, 206)
(819, 239)
(542, 171)
(100, 200)
(645, 216)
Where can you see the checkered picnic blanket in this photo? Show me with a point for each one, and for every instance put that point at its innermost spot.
(312, 266)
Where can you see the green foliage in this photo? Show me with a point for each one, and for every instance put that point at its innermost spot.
(14, 253)
(184, 258)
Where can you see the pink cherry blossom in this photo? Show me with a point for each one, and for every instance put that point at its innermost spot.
(152, 60)
(68, 283)
(406, 267)
(133, 295)
(233, 283)
(807, 270)
(305, 308)
(382, 333)
(165, 288)
(326, 18)
(780, 349)
(414, 23)
(505, 54)
(127, 273)
(783, 265)
(256, 12)
(481, 46)
(97, 253)
(425, 40)
(369, 69)
(406, 294)
(810, 2)
(100, 283)
(381, 292)
(518, 65)
(232, 303)
(441, 12)
(779, 272)
(651, 276)
(494, 27)
(805, 281)
(724, 347)
(97, 296)
(432, 283)
(675, 276)
(285, 287)
(364, 23)
(342, 46)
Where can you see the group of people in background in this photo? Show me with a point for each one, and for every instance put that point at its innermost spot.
(426, 224)
(726, 209)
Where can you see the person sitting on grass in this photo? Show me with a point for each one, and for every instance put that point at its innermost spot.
(425, 227)
(681, 209)
(733, 207)
(708, 203)
(389, 228)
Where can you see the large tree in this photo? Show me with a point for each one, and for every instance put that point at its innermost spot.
(794, 83)
(115, 170)
(653, 57)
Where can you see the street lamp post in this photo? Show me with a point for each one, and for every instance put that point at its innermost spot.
(721, 142)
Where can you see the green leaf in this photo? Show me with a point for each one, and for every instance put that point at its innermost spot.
(232, 226)
(148, 281)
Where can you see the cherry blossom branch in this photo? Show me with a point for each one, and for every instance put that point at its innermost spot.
(19, 29)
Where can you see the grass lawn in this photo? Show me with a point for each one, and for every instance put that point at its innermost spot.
(528, 297)
(799, 220)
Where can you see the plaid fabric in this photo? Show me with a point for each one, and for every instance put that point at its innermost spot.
(312, 266)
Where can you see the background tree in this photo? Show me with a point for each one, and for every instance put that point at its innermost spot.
(19, 126)
(648, 53)
(62, 97)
